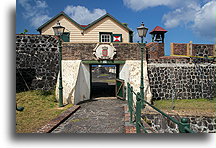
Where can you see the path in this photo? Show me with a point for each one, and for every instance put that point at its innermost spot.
(96, 116)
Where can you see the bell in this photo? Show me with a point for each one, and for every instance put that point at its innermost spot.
(158, 38)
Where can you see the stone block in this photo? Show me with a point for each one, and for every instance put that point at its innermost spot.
(33, 51)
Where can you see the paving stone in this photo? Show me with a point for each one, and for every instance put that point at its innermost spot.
(99, 116)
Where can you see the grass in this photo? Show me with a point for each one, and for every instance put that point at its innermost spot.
(197, 107)
(110, 81)
(104, 75)
(39, 108)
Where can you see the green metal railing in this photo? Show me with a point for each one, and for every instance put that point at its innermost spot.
(135, 113)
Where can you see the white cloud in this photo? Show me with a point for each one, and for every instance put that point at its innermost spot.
(35, 11)
(39, 20)
(143, 4)
(181, 16)
(198, 15)
(37, 14)
(41, 4)
(201, 19)
(205, 21)
(82, 15)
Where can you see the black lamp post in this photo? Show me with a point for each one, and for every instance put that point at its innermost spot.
(142, 30)
(58, 31)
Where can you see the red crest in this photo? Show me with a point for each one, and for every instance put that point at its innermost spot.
(104, 52)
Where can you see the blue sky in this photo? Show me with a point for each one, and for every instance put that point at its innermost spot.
(190, 20)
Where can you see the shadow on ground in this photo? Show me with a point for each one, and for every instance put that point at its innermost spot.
(102, 89)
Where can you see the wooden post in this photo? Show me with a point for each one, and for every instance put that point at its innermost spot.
(189, 48)
(214, 51)
(171, 49)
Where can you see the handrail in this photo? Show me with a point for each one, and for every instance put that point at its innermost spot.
(189, 130)
(143, 128)
(183, 126)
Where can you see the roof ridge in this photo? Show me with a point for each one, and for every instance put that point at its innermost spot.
(158, 29)
(81, 26)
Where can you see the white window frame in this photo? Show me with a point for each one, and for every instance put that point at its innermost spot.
(105, 37)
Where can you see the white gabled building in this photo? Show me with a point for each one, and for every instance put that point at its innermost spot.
(104, 29)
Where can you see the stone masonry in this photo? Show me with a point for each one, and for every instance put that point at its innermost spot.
(199, 124)
(189, 49)
(179, 77)
(183, 77)
(175, 78)
(155, 50)
(125, 51)
(36, 62)
(83, 51)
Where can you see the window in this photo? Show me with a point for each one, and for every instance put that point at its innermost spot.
(109, 37)
(66, 37)
(105, 37)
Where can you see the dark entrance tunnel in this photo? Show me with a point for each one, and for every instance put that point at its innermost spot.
(103, 80)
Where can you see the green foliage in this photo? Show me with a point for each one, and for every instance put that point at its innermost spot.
(24, 32)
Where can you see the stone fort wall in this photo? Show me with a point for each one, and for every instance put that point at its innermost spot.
(186, 74)
(36, 62)
(182, 78)
(199, 124)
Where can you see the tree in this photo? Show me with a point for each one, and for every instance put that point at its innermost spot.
(25, 30)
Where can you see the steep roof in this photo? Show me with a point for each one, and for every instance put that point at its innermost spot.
(84, 27)
(158, 29)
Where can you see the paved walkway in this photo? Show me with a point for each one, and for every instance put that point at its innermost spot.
(96, 116)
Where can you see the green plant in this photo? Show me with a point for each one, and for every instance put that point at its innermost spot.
(24, 32)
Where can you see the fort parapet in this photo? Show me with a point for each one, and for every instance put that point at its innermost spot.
(183, 75)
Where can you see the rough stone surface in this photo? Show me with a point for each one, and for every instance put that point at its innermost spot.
(199, 124)
(186, 78)
(83, 51)
(124, 51)
(129, 127)
(179, 49)
(182, 81)
(170, 60)
(36, 62)
(155, 50)
(189, 49)
(203, 50)
(96, 116)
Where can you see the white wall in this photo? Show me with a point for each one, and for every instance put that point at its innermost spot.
(70, 71)
(75, 80)
(130, 72)
(82, 89)
(124, 72)
(91, 34)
